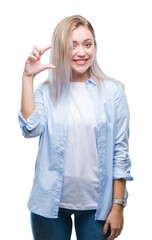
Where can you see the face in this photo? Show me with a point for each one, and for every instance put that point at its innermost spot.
(82, 52)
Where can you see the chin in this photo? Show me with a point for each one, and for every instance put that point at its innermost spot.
(80, 70)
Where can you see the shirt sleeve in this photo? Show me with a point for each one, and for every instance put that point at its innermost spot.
(34, 125)
(121, 160)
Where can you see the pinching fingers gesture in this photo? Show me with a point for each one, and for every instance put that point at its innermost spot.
(33, 64)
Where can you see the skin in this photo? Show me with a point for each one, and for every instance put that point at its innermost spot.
(82, 55)
(32, 67)
(115, 218)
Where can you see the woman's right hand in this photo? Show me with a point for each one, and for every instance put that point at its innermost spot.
(33, 65)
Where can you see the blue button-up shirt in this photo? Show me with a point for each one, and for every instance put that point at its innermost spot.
(49, 122)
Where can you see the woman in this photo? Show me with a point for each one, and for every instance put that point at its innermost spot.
(82, 119)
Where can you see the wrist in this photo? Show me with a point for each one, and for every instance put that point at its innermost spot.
(25, 74)
(27, 77)
(117, 207)
(122, 202)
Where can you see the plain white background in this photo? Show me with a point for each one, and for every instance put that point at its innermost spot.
(123, 32)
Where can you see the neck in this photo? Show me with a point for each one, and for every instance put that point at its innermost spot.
(80, 77)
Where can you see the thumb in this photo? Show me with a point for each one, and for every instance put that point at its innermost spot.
(105, 228)
(48, 66)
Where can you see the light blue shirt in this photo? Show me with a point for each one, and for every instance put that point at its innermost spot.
(49, 122)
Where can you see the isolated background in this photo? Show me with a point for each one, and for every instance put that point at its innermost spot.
(123, 32)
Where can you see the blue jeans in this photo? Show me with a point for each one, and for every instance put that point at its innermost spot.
(86, 227)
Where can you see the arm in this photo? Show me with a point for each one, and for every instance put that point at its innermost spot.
(121, 164)
(32, 114)
(33, 66)
(115, 217)
(119, 187)
(27, 101)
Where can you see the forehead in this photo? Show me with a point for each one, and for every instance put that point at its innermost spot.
(81, 34)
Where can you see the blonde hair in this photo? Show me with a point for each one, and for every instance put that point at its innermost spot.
(61, 76)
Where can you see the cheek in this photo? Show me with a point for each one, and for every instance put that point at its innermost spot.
(73, 53)
(91, 52)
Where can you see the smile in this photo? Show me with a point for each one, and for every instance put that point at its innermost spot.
(81, 61)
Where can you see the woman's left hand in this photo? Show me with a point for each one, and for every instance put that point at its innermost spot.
(115, 220)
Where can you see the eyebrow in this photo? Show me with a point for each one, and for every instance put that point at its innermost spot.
(89, 39)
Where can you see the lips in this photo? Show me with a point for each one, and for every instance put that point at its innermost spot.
(80, 62)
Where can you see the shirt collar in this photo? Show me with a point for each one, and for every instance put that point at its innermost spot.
(91, 80)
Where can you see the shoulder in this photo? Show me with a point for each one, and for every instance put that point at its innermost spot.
(112, 84)
(112, 88)
(114, 92)
(117, 90)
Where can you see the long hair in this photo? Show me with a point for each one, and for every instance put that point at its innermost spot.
(61, 76)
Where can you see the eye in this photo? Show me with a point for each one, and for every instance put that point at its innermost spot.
(73, 46)
(88, 45)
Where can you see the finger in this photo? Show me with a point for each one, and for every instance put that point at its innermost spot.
(117, 234)
(44, 49)
(112, 235)
(48, 66)
(32, 57)
(37, 48)
(36, 53)
(105, 228)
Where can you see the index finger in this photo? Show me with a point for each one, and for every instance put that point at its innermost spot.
(44, 49)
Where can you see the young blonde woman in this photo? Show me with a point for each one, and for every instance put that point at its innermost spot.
(82, 119)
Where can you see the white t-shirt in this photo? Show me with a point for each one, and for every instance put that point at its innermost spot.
(81, 172)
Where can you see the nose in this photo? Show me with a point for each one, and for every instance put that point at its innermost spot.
(81, 51)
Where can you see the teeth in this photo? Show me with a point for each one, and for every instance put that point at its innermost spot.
(81, 61)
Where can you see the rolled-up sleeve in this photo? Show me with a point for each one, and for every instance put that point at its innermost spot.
(34, 125)
(121, 160)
